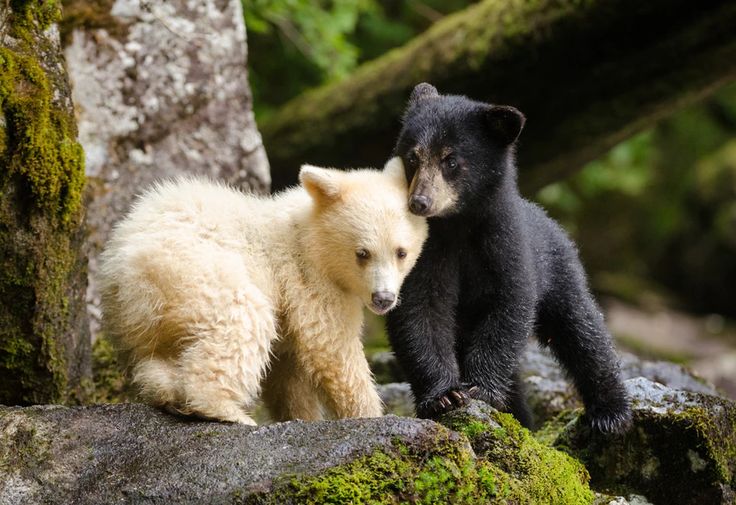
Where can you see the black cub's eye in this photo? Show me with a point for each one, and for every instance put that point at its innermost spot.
(451, 162)
(413, 159)
(401, 253)
(362, 254)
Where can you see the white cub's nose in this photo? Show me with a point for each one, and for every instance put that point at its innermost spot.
(383, 300)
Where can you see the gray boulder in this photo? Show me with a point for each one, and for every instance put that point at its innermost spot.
(131, 453)
(397, 398)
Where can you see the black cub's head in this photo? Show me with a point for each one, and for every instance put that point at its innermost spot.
(454, 149)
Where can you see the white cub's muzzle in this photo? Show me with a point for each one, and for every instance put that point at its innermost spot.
(382, 302)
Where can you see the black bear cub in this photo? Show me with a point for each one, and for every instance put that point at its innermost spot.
(494, 270)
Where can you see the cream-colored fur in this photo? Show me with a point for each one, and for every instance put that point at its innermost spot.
(211, 292)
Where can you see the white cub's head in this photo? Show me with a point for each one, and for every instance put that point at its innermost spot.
(362, 234)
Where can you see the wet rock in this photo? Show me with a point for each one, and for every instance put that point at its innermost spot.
(547, 389)
(681, 448)
(131, 453)
(632, 499)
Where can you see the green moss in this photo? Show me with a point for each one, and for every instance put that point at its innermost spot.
(473, 428)
(445, 472)
(44, 151)
(550, 430)
(29, 16)
(718, 435)
(531, 471)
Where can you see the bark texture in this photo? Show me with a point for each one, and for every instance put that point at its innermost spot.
(587, 73)
(44, 338)
(161, 91)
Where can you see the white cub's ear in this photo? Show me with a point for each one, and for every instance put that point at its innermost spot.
(395, 168)
(323, 184)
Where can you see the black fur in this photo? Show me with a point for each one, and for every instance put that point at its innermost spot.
(494, 270)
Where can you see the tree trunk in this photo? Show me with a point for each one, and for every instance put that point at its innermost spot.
(587, 74)
(44, 338)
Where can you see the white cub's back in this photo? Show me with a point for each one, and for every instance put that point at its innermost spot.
(205, 288)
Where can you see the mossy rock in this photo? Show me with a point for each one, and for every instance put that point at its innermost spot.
(681, 448)
(527, 470)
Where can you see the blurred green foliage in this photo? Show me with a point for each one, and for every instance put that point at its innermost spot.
(662, 206)
(294, 45)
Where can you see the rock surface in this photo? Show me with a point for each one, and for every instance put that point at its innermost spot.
(161, 91)
(130, 453)
(681, 449)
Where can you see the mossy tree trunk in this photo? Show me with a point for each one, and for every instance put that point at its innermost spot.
(44, 339)
(587, 73)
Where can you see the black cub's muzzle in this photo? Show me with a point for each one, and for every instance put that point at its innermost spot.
(419, 204)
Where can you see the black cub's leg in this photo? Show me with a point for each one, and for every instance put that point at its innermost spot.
(572, 325)
(491, 347)
(422, 333)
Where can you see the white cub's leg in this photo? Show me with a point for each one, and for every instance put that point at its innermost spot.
(197, 329)
(157, 382)
(222, 365)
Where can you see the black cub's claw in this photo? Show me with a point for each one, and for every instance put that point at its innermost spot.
(610, 422)
(442, 404)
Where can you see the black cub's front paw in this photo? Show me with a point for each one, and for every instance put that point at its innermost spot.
(447, 401)
(609, 421)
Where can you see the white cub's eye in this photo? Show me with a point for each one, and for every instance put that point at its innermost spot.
(401, 253)
(362, 254)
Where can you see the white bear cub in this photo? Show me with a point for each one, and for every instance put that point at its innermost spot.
(213, 294)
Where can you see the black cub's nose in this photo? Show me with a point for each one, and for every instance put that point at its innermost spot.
(383, 299)
(419, 204)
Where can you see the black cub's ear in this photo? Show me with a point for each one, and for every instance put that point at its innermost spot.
(503, 122)
(421, 91)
